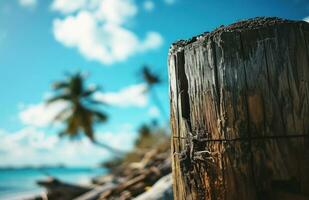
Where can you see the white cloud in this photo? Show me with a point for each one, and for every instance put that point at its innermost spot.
(41, 115)
(25, 142)
(154, 111)
(152, 41)
(148, 5)
(133, 95)
(30, 146)
(104, 35)
(68, 6)
(28, 3)
(170, 2)
(116, 11)
(306, 19)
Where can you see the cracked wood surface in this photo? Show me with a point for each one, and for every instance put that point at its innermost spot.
(249, 79)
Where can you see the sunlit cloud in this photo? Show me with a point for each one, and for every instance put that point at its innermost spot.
(41, 114)
(25, 141)
(30, 146)
(306, 19)
(148, 5)
(116, 11)
(105, 36)
(28, 3)
(68, 6)
(133, 95)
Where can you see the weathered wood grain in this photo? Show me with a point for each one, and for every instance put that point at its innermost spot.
(250, 79)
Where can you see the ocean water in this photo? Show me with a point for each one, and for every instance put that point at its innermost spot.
(17, 184)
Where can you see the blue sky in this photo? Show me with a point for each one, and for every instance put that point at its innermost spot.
(109, 39)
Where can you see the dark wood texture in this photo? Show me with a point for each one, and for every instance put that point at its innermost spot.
(246, 80)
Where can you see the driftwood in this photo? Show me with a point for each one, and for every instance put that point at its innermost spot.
(57, 190)
(240, 112)
(127, 181)
(96, 192)
(138, 182)
(161, 190)
(123, 186)
(114, 186)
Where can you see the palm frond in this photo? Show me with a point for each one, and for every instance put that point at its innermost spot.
(96, 102)
(62, 115)
(72, 126)
(87, 122)
(100, 116)
(79, 117)
(60, 85)
(89, 92)
(64, 97)
(89, 132)
(144, 130)
(149, 77)
(76, 84)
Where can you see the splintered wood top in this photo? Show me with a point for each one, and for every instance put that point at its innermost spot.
(244, 25)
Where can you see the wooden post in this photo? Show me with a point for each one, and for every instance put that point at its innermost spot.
(239, 101)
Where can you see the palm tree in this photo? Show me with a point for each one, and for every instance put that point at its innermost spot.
(81, 115)
(151, 79)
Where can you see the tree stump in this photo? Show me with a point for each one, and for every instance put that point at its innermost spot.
(239, 101)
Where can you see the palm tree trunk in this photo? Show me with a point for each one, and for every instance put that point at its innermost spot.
(158, 103)
(116, 152)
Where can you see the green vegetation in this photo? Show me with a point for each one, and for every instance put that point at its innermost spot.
(82, 112)
(152, 80)
(150, 137)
